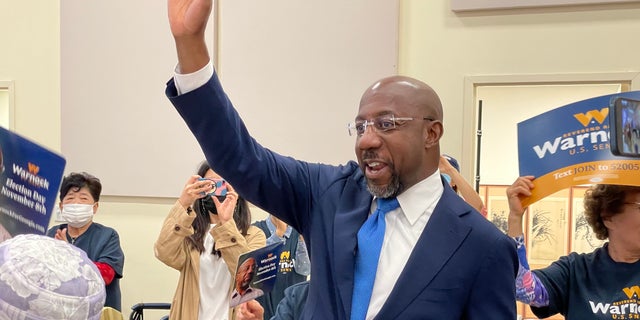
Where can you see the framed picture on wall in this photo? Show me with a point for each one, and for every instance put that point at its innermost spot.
(583, 240)
(482, 192)
(547, 228)
(497, 206)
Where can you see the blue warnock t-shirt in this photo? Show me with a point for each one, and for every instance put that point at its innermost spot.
(591, 286)
(287, 274)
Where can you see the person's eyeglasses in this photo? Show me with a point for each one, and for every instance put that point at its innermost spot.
(380, 124)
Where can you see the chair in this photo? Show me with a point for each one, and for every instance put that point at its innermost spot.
(137, 312)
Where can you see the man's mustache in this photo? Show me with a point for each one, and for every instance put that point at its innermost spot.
(367, 155)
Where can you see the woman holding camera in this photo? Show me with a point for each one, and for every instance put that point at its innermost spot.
(202, 237)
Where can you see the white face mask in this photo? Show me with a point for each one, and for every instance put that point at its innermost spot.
(77, 215)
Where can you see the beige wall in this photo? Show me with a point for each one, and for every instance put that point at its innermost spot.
(436, 46)
(30, 56)
(442, 48)
(138, 221)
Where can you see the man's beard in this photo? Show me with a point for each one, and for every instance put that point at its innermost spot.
(389, 191)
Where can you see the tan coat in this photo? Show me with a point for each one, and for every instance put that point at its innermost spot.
(172, 249)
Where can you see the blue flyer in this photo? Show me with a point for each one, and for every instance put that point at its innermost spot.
(30, 175)
(571, 145)
(256, 273)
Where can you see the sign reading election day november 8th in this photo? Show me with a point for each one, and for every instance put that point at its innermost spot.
(30, 176)
(570, 146)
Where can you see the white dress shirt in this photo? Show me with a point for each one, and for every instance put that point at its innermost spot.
(191, 81)
(404, 226)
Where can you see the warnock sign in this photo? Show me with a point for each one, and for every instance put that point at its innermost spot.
(570, 146)
(30, 176)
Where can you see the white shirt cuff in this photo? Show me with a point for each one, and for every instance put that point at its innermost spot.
(191, 81)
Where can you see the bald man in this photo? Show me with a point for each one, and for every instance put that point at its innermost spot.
(438, 258)
(243, 290)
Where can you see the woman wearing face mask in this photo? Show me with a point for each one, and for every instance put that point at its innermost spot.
(202, 237)
(79, 196)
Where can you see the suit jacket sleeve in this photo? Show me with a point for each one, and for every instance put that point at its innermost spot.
(498, 270)
(290, 307)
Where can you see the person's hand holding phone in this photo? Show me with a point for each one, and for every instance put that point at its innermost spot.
(194, 189)
(227, 206)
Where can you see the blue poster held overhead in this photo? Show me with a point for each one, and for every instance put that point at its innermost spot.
(30, 176)
(571, 145)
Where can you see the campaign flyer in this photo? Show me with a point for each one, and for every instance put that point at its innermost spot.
(570, 146)
(30, 176)
(256, 273)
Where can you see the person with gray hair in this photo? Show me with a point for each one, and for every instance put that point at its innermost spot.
(43, 278)
(79, 202)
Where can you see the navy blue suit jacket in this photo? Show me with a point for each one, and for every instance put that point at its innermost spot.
(290, 307)
(462, 267)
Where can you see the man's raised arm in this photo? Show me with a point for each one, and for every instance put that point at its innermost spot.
(188, 20)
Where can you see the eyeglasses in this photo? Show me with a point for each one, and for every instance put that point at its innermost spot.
(380, 124)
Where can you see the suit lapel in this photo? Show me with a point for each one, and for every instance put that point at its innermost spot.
(346, 225)
(441, 237)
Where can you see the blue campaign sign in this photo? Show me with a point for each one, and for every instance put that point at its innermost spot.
(570, 146)
(256, 273)
(30, 177)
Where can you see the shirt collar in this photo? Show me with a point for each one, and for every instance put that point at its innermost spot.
(422, 197)
(272, 228)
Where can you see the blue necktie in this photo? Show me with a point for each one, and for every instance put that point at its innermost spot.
(370, 239)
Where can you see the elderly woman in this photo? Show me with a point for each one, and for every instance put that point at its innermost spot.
(79, 202)
(603, 284)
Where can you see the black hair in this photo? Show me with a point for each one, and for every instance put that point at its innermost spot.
(241, 216)
(78, 180)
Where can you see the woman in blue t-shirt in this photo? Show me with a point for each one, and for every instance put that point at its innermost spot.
(603, 284)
